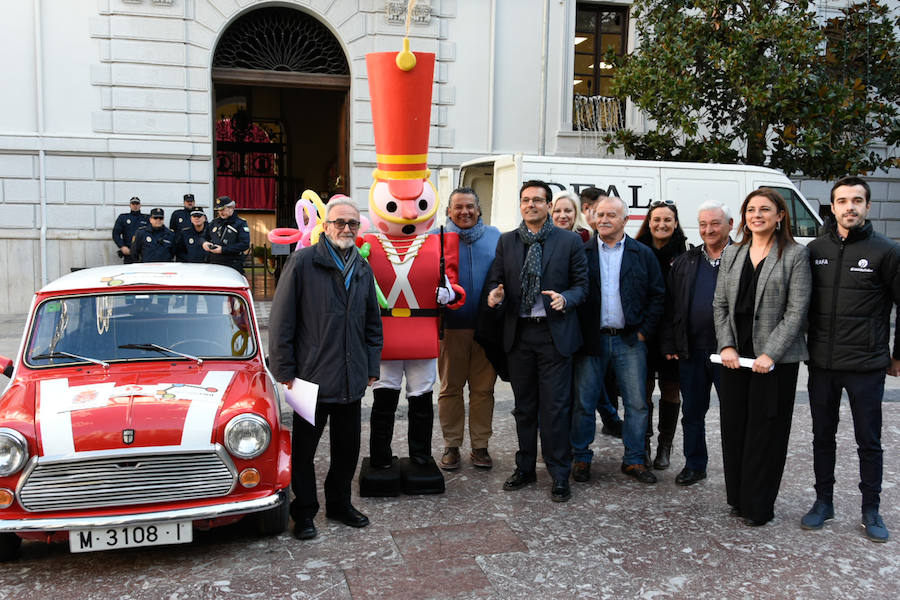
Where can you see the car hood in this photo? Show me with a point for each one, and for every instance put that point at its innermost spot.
(138, 409)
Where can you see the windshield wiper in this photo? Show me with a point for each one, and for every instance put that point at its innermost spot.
(159, 348)
(60, 354)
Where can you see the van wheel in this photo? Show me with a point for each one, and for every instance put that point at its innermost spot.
(275, 520)
(9, 546)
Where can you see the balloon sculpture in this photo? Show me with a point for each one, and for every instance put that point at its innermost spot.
(417, 270)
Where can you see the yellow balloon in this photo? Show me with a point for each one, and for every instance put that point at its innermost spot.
(314, 236)
(317, 202)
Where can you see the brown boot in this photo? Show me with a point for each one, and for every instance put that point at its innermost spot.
(450, 459)
(481, 459)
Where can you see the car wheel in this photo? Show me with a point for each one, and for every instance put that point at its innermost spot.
(9, 546)
(275, 520)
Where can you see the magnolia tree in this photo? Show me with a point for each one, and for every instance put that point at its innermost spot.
(764, 82)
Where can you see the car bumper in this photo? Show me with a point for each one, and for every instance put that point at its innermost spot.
(198, 513)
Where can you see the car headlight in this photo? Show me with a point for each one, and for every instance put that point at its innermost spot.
(247, 435)
(13, 451)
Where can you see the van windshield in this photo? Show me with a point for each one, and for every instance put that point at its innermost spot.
(803, 222)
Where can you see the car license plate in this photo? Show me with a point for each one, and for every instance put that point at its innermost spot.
(130, 536)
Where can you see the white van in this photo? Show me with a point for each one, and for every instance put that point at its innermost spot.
(497, 179)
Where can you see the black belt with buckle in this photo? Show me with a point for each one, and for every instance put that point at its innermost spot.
(535, 320)
(612, 331)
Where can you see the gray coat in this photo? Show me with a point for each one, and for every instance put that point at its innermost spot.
(782, 298)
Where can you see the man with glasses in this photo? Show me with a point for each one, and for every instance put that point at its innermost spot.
(537, 279)
(625, 303)
(228, 237)
(125, 227)
(339, 349)
(155, 243)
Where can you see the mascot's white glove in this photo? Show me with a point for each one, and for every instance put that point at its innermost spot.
(445, 293)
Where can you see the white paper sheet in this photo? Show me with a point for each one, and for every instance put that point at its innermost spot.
(302, 398)
(745, 362)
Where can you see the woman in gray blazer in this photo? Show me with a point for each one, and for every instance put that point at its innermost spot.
(762, 295)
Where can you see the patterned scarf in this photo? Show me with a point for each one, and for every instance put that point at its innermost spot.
(468, 236)
(531, 268)
(346, 263)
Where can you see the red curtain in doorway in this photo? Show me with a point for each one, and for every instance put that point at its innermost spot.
(247, 177)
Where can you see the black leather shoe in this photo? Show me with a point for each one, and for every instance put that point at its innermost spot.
(755, 522)
(305, 529)
(639, 472)
(689, 476)
(560, 491)
(350, 516)
(518, 480)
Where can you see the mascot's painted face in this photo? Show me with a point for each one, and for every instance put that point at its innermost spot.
(393, 216)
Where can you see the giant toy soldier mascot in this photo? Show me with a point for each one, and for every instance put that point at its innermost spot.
(416, 271)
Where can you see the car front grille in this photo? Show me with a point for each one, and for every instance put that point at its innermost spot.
(124, 480)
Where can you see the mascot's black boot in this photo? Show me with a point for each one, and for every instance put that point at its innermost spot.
(421, 474)
(378, 474)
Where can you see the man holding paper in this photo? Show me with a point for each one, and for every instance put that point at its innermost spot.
(325, 328)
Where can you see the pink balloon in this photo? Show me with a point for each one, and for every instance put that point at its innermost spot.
(307, 218)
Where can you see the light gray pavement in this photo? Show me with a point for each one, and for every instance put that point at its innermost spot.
(616, 538)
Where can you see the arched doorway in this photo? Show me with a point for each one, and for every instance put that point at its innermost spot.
(281, 87)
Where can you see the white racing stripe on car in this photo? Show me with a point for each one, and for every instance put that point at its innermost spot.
(56, 424)
(201, 416)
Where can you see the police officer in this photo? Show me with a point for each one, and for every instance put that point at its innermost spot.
(189, 240)
(182, 217)
(154, 243)
(228, 237)
(126, 226)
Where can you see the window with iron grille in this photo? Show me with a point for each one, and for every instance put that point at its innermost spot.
(599, 28)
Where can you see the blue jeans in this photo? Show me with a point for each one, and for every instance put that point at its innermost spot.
(698, 375)
(629, 363)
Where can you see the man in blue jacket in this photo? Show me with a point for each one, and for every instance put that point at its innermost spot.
(462, 360)
(126, 226)
(623, 307)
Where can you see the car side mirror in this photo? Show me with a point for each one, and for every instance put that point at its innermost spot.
(7, 365)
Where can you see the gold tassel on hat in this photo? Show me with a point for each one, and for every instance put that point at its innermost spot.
(406, 60)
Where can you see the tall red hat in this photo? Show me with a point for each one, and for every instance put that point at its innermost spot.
(401, 115)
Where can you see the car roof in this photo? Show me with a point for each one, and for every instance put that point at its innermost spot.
(163, 275)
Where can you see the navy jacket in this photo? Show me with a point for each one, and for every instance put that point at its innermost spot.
(563, 272)
(233, 235)
(189, 244)
(641, 288)
(126, 226)
(153, 245)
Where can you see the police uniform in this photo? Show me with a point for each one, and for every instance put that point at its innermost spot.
(124, 229)
(189, 244)
(153, 245)
(182, 217)
(232, 235)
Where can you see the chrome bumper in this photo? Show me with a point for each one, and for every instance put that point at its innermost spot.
(198, 513)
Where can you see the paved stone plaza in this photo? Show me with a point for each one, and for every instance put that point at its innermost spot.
(616, 538)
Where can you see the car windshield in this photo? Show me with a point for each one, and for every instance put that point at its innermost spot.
(150, 326)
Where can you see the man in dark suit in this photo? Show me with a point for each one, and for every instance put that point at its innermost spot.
(627, 295)
(537, 279)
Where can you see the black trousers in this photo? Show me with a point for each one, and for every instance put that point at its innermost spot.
(541, 380)
(865, 390)
(344, 433)
(756, 411)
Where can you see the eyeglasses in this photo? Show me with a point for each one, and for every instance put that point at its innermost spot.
(662, 203)
(534, 200)
(156, 217)
(341, 223)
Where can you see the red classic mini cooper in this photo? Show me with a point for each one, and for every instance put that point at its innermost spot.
(139, 407)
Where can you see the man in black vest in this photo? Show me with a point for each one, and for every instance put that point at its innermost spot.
(856, 283)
